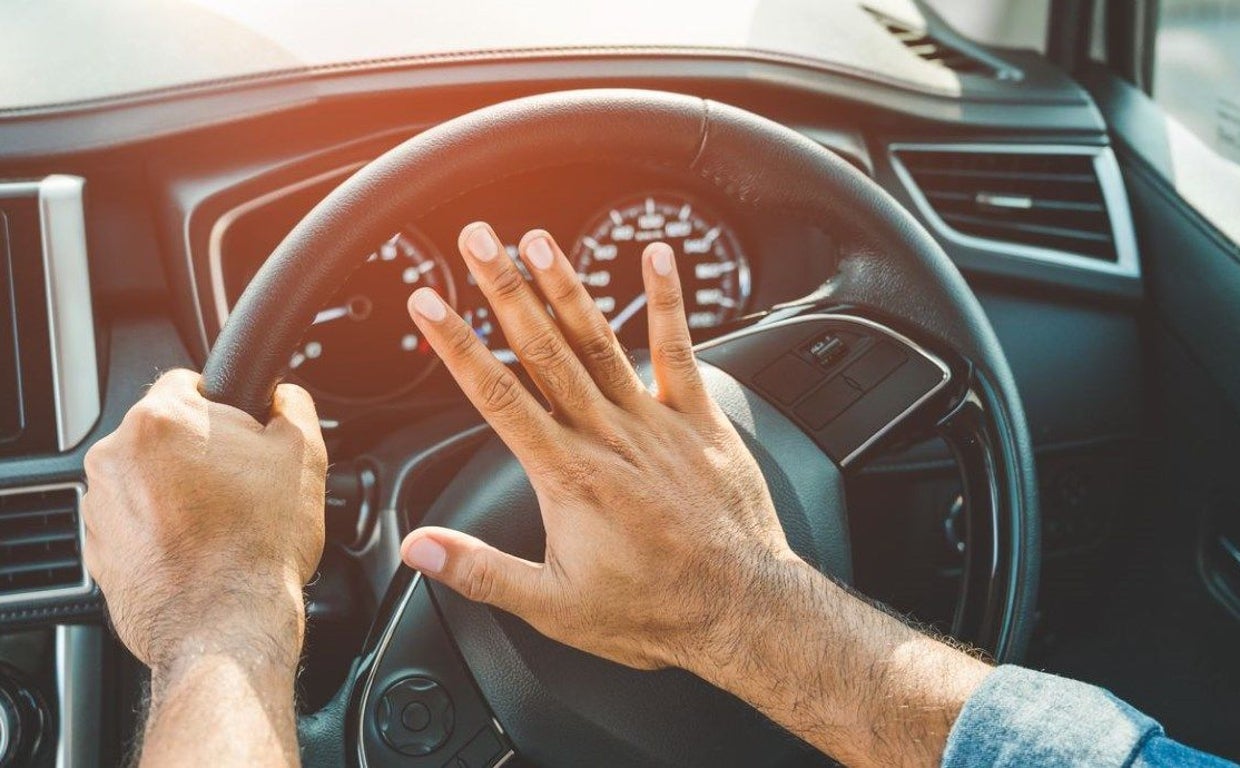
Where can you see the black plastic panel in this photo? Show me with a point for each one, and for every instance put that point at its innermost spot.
(27, 410)
(442, 719)
(12, 413)
(841, 380)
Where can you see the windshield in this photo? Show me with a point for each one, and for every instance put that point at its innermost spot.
(58, 53)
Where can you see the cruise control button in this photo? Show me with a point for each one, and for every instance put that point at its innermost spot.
(874, 366)
(827, 402)
(827, 350)
(788, 378)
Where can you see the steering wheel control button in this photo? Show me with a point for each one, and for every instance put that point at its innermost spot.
(415, 716)
(788, 378)
(827, 349)
(827, 402)
(874, 366)
(483, 751)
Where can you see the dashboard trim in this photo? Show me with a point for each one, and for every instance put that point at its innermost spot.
(1127, 263)
(79, 660)
(71, 320)
(215, 253)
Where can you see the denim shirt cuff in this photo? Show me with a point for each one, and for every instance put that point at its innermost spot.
(1018, 717)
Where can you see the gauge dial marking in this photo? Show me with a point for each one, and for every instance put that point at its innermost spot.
(713, 270)
(360, 347)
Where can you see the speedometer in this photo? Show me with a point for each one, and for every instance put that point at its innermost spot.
(362, 346)
(714, 273)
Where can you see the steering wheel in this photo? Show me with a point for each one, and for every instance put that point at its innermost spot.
(893, 345)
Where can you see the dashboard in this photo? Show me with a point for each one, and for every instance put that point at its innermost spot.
(163, 205)
(362, 349)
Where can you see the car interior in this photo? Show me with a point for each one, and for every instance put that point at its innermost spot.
(965, 275)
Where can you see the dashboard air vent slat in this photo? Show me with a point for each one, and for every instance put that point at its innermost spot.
(930, 49)
(40, 542)
(1050, 201)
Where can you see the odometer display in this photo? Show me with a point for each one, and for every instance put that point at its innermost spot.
(714, 274)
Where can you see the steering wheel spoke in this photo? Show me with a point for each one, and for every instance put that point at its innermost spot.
(415, 703)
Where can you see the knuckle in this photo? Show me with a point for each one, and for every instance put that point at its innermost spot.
(479, 581)
(461, 341)
(599, 348)
(96, 459)
(508, 284)
(180, 378)
(544, 348)
(291, 392)
(667, 301)
(621, 446)
(500, 391)
(154, 414)
(676, 354)
(563, 290)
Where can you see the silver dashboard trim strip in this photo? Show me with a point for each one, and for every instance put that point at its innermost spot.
(4, 735)
(71, 320)
(870, 324)
(79, 688)
(1127, 263)
(384, 641)
(219, 228)
(87, 584)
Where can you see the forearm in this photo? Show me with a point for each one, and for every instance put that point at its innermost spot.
(225, 695)
(849, 679)
(222, 708)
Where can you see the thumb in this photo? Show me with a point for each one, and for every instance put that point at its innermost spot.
(475, 569)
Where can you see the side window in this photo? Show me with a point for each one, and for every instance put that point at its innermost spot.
(1196, 70)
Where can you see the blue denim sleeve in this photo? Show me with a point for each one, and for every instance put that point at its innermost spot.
(1018, 717)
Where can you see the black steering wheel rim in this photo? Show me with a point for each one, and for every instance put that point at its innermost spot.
(889, 266)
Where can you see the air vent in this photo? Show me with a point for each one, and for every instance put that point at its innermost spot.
(1046, 201)
(929, 48)
(40, 543)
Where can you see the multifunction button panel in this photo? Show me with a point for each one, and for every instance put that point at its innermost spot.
(420, 708)
(843, 380)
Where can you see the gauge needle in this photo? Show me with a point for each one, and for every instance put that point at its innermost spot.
(329, 314)
(627, 313)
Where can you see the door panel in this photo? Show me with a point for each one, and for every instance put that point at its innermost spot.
(1172, 641)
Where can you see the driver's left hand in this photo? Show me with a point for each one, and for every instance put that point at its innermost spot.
(203, 526)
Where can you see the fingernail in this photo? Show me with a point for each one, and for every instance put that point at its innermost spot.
(481, 244)
(538, 251)
(661, 258)
(428, 304)
(426, 555)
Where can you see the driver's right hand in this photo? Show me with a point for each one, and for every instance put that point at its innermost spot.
(658, 520)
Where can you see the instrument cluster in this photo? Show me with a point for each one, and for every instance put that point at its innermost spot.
(362, 347)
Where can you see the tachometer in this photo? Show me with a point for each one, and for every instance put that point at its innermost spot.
(714, 273)
(363, 345)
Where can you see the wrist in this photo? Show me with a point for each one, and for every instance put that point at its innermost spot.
(754, 600)
(256, 654)
(260, 628)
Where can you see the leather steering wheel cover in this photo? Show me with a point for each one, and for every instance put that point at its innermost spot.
(888, 263)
